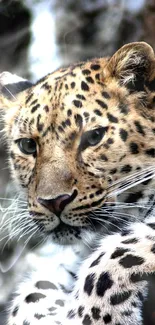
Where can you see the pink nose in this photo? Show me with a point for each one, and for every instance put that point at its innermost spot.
(58, 204)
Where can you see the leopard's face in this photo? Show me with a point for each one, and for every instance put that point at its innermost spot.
(74, 134)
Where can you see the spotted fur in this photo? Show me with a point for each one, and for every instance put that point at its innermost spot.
(89, 169)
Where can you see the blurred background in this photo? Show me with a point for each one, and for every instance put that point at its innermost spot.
(37, 37)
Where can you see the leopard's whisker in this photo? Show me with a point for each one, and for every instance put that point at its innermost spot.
(143, 175)
(149, 169)
(125, 187)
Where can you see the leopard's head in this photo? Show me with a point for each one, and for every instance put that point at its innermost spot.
(79, 136)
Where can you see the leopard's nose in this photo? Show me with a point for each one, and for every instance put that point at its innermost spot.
(57, 204)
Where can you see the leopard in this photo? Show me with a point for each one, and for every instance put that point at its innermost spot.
(81, 143)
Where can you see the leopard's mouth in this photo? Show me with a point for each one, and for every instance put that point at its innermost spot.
(65, 233)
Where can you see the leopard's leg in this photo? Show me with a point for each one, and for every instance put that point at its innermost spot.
(43, 294)
(113, 281)
(111, 287)
(39, 303)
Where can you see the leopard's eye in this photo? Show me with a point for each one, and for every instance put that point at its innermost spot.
(92, 138)
(27, 146)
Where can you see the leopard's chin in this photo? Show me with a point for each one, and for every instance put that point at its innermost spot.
(65, 234)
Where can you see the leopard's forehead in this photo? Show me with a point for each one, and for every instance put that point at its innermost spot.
(77, 97)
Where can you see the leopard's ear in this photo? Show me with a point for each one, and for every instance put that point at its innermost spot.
(11, 84)
(10, 88)
(133, 65)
